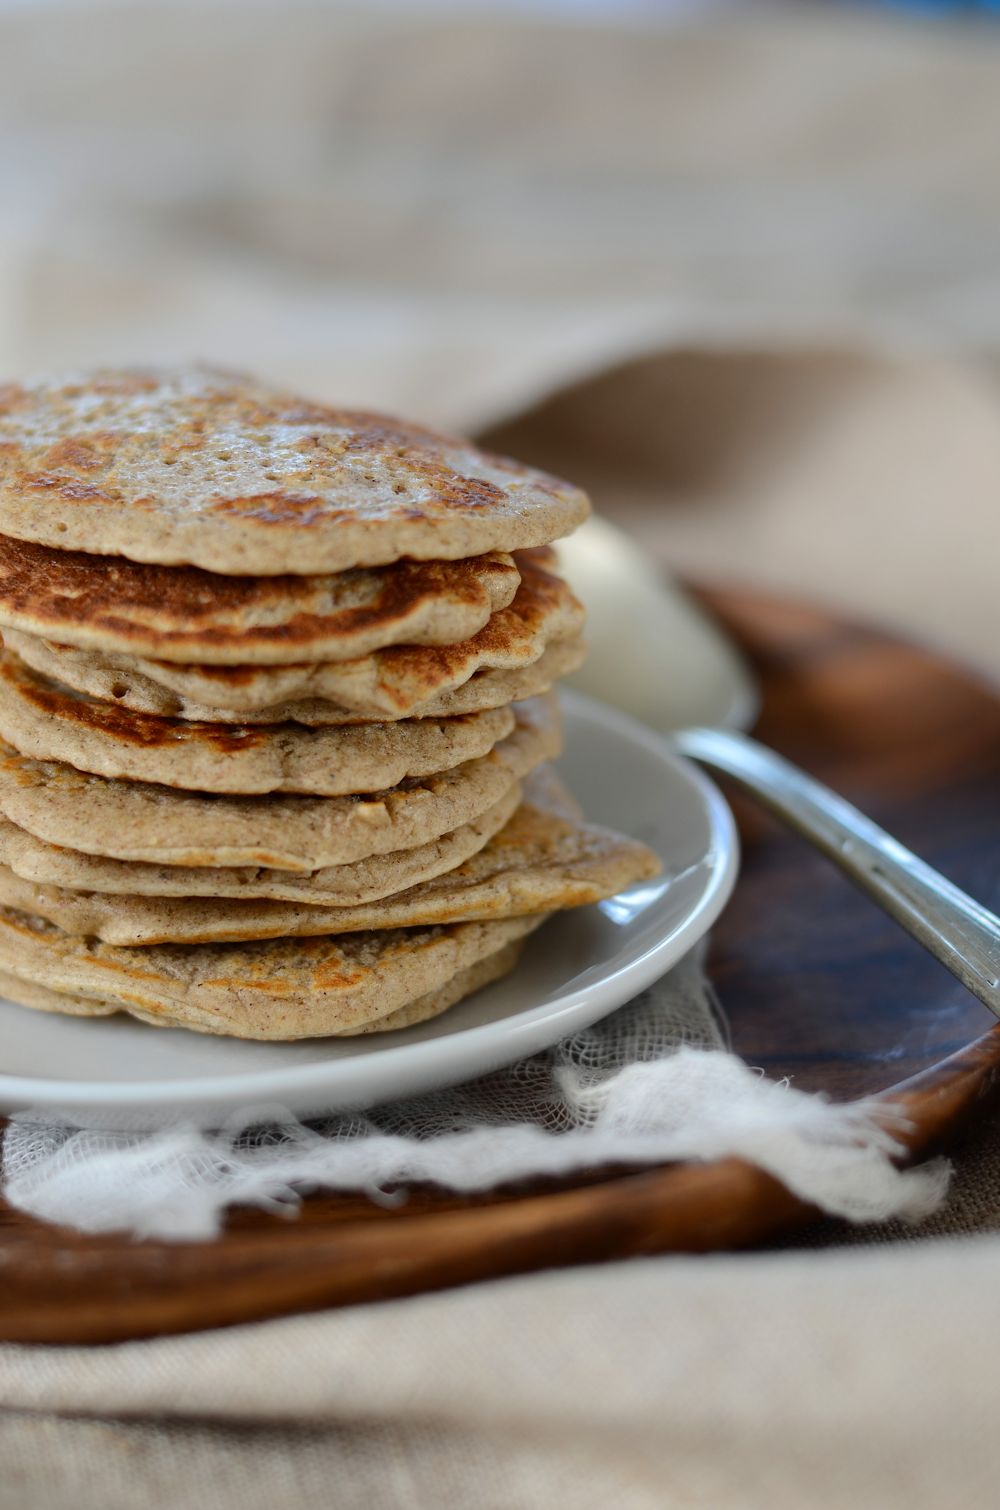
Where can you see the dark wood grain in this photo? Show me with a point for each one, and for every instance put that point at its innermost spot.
(819, 984)
(816, 982)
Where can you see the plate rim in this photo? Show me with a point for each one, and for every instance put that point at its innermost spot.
(248, 1088)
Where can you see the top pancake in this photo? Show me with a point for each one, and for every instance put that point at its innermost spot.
(213, 469)
(181, 613)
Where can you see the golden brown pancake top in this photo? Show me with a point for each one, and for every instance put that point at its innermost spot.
(218, 470)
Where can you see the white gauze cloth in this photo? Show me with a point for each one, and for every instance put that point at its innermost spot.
(652, 1082)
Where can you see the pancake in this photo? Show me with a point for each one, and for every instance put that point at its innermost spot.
(185, 614)
(141, 821)
(394, 682)
(214, 469)
(335, 885)
(48, 722)
(421, 1009)
(473, 978)
(43, 999)
(279, 989)
(540, 862)
(87, 671)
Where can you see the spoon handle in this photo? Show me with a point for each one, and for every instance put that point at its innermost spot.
(957, 930)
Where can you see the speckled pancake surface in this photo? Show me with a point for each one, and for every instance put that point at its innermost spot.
(277, 989)
(48, 722)
(99, 677)
(421, 1009)
(218, 470)
(129, 820)
(355, 882)
(189, 615)
(395, 682)
(542, 861)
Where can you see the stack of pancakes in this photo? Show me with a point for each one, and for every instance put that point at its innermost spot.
(275, 709)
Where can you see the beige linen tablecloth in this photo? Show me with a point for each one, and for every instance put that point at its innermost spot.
(745, 256)
(786, 1381)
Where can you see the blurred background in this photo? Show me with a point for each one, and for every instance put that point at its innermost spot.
(734, 266)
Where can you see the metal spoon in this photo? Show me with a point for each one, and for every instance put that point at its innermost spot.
(663, 661)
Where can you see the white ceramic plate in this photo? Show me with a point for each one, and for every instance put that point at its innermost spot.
(577, 968)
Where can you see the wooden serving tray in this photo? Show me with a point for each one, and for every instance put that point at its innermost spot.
(816, 982)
